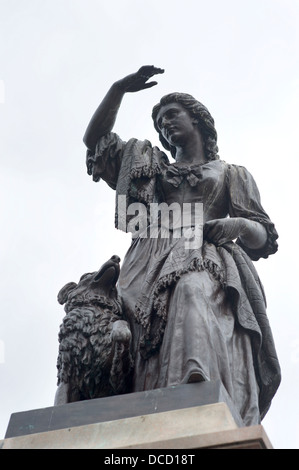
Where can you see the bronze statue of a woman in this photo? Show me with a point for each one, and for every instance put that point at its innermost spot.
(195, 314)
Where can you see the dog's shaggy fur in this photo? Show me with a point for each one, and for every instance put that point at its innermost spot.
(94, 357)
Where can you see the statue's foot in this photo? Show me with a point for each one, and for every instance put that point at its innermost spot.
(195, 377)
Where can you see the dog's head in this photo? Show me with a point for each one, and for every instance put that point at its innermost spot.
(92, 286)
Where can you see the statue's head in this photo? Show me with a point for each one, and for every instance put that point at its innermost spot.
(197, 111)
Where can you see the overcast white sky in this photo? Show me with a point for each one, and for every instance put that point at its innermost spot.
(58, 58)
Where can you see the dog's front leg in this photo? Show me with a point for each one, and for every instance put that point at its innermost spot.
(62, 394)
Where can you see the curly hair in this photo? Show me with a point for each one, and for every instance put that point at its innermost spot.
(196, 110)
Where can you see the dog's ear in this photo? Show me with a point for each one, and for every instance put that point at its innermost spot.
(64, 292)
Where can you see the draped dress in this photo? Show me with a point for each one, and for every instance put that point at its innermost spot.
(200, 313)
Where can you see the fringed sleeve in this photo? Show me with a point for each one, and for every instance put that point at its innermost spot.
(105, 161)
(245, 202)
(128, 167)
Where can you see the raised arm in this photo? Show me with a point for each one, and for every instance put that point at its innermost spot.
(105, 115)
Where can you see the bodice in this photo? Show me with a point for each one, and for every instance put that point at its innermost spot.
(142, 173)
(205, 183)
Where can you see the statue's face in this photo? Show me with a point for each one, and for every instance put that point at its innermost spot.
(175, 124)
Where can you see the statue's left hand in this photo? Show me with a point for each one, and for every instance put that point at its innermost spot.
(220, 231)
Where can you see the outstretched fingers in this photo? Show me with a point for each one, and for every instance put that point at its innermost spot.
(139, 80)
(148, 71)
(149, 85)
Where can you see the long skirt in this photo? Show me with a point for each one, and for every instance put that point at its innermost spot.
(202, 338)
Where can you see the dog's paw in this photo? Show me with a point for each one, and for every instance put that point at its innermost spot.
(121, 332)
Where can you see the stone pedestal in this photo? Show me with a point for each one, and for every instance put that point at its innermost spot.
(191, 416)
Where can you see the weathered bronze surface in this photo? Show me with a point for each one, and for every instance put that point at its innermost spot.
(196, 312)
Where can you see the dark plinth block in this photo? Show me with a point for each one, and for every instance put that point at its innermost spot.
(119, 407)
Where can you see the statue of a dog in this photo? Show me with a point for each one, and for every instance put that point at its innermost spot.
(94, 358)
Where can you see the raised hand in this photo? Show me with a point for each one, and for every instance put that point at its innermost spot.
(104, 117)
(138, 81)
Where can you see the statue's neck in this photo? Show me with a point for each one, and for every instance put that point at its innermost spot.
(192, 152)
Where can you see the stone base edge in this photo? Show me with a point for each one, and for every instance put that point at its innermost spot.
(200, 427)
